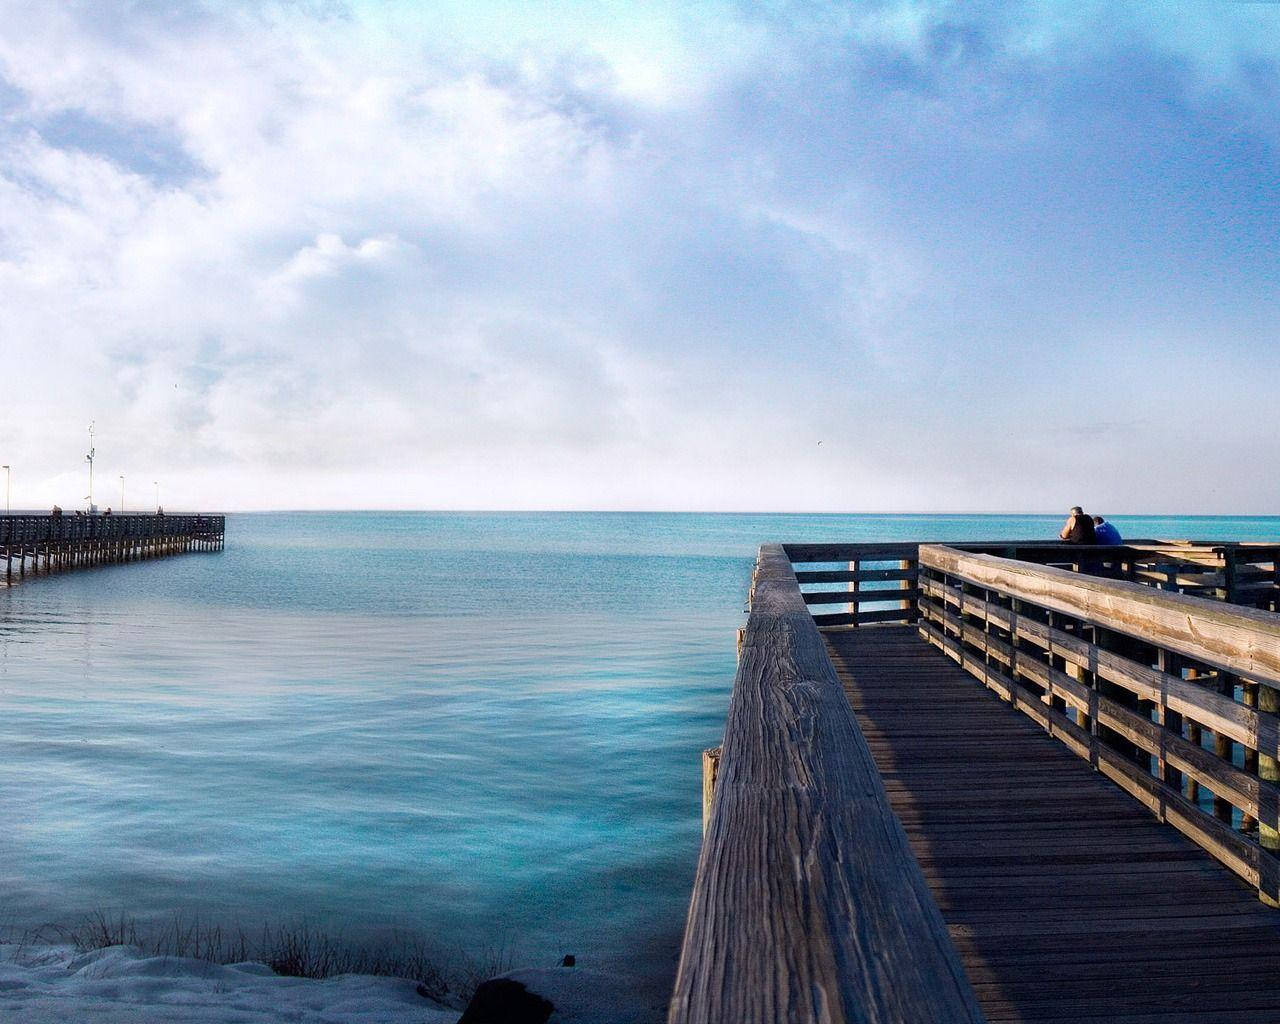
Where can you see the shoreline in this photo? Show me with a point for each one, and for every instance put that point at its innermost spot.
(113, 971)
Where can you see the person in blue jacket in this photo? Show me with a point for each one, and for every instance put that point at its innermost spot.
(1104, 532)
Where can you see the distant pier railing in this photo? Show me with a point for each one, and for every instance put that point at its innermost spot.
(52, 543)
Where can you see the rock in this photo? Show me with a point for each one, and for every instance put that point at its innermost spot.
(568, 961)
(503, 1001)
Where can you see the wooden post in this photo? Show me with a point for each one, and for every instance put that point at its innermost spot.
(1222, 746)
(1249, 691)
(1268, 767)
(1170, 720)
(854, 587)
(1191, 788)
(710, 768)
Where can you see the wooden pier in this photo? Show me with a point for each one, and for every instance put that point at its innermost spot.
(1007, 782)
(48, 543)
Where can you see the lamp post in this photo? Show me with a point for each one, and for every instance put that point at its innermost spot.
(6, 489)
(122, 494)
(157, 483)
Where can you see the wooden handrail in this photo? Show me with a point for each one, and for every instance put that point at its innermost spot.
(808, 905)
(1226, 636)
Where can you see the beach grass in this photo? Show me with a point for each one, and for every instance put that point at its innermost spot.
(298, 950)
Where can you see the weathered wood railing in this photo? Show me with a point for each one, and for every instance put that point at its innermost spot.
(53, 542)
(878, 575)
(879, 584)
(808, 905)
(1238, 573)
(1173, 697)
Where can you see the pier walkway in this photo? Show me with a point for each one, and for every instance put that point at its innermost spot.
(1003, 782)
(1065, 898)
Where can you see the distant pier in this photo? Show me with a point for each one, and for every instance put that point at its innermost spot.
(1008, 782)
(49, 543)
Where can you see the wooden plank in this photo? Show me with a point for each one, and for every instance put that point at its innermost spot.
(836, 619)
(858, 597)
(864, 617)
(1231, 849)
(853, 575)
(1056, 918)
(1241, 640)
(871, 552)
(808, 905)
(1244, 790)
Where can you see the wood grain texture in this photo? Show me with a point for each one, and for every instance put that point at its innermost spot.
(858, 597)
(853, 575)
(808, 905)
(1067, 900)
(1235, 639)
(1246, 791)
(1230, 848)
(1206, 707)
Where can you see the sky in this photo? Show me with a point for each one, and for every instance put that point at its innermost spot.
(716, 256)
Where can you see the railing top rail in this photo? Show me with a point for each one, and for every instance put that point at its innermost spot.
(850, 550)
(1229, 637)
(808, 904)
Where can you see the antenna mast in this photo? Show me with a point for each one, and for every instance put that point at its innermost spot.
(89, 459)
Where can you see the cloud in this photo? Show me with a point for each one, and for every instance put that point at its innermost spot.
(482, 255)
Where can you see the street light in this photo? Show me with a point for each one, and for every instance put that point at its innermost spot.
(6, 490)
(122, 494)
(157, 483)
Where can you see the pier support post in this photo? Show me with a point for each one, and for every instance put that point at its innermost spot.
(710, 768)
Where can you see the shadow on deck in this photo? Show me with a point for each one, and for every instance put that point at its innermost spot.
(1066, 899)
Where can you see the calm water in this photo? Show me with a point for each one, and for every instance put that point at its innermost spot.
(482, 727)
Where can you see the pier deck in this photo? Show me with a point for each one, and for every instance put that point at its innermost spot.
(1005, 781)
(1066, 899)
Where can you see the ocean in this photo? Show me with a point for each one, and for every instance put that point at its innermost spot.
(481, 728)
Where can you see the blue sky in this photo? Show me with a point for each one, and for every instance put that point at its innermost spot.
(992, 257)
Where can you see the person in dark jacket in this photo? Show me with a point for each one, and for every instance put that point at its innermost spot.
(1078, 528)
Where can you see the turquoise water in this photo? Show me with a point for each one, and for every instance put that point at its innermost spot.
(481, 727)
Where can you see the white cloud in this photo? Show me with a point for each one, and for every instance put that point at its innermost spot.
(473, 255)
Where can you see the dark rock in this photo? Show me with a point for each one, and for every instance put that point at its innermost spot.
(568, 961)
(503, 1001)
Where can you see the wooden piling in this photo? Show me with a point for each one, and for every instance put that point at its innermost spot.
(710, 768)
